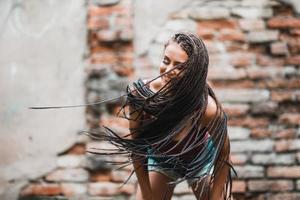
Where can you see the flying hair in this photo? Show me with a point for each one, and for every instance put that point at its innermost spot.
(179, 105)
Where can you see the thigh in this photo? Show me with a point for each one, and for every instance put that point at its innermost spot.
(161, 190)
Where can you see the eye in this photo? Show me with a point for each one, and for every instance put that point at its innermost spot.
(166, 61)
(181, 67)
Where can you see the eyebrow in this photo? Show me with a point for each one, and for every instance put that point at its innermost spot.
(176, 62)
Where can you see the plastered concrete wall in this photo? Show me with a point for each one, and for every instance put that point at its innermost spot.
(42, 46)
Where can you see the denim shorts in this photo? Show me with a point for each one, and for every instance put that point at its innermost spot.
(158, 165)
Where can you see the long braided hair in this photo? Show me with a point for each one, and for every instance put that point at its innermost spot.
(179, 105)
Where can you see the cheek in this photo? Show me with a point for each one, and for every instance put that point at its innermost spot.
(179, 73)
(162, 67)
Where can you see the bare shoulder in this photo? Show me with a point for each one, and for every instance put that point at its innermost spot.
(211, 110)
(155, 85)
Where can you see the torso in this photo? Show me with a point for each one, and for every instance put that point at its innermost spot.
(156, 85)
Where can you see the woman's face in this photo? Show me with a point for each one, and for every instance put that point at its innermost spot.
(173, 55)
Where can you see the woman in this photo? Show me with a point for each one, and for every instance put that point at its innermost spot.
(178, 127)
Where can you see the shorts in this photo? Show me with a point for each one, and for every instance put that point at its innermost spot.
(158, 165)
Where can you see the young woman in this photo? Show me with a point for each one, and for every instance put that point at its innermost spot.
(178, 127)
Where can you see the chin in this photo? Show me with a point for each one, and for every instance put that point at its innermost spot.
(165, 79)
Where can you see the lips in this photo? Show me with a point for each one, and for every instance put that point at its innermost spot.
(166, 78)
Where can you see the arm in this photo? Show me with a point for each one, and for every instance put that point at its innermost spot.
(217, 189)
(139, 167)
(211, 110)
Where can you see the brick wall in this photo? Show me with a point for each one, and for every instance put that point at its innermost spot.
(254, 49)
(254, 70)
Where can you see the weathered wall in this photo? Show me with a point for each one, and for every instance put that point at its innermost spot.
(41, 63)
(254, 70)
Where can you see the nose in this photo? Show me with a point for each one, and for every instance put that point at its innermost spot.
(168, 68)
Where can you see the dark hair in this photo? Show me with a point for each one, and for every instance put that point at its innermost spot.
(178, 105)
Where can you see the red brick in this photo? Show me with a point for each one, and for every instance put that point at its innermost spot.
(284, 172)
(70, 161)
(293, 43)
(265, 60)
(100, 49)
(231, 35)
(235, 46)
(126, 59)
(238, 159)
(260, 133)
(264, 108)
(285, 196)
(292, 83)
(251, 24)
(73, 189)
(109, 189)
(96, 23)
(270, 185)
(236, 109)
(295, 31)
(255, 72)
(104, 11)
(285, 134)
(213, 48)
(257, 49)
(101, 176)
(238, 186)
(103, 58)
(76, 149)
(293, 60)
(217, 24)
(290, 118)
(72, 175)
(249, 122)
(93, 39)
(280, 96)
(284, 22)
(206, 33)
(123, 70)
(282, 145)
(279, 48)
(242, 59)
(234, 84)
(287, 145)
(225, 73)
(103, 189)
(123, 22)
(42, 189)
(257, 196)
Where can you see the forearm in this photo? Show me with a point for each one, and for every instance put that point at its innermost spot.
(143, 178)
(139, 163)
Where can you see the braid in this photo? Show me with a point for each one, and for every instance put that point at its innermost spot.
(179, 104)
